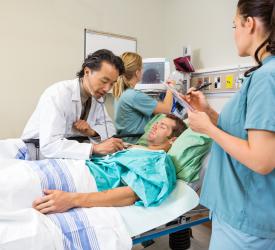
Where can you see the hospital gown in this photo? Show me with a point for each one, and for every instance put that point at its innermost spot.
(150, 174)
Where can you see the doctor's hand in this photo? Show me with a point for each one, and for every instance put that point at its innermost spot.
(54, 201)
(83, 127)
(108, 146)
(196, 99)
(199, 122)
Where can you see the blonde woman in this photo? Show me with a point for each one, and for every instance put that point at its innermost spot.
(134, 108)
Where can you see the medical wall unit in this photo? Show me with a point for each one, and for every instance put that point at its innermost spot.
(224, 80)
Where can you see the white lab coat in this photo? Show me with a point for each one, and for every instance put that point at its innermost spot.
(52, 121)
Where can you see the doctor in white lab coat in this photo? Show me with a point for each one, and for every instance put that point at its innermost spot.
(75, 108)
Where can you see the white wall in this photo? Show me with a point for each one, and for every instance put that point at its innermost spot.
(206, 25)
(42, 43)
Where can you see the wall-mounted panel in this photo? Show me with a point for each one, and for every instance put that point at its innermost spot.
(223, 80)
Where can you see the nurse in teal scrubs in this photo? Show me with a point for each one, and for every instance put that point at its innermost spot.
(134, 109)
(239, 186)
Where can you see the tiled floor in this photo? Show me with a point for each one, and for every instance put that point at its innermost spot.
(200, 241)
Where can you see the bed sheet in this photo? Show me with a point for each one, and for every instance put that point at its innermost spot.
(139, 219)
(22, 227)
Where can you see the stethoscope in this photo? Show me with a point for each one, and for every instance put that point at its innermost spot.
(104, 115)
(101, 104)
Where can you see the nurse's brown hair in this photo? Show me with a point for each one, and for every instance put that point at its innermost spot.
(265, 11)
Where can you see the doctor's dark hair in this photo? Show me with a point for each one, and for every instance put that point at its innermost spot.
(179, 128)
(265, 11)
(94, 61)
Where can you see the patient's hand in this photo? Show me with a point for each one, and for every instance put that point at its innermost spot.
(84, 128)
(54, 201)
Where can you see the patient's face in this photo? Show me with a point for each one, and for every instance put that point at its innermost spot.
(161, 131)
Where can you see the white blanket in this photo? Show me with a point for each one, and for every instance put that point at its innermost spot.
(21, 227)
(21, 184)
(13, 149)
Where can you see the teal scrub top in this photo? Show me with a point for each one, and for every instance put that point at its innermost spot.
(133, 111)
(150, 174)
(239, 196)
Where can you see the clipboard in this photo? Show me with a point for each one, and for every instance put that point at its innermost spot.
(175, 93)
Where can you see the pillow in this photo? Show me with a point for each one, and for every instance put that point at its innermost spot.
(187, 152)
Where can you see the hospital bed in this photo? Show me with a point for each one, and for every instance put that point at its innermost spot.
(172, 217)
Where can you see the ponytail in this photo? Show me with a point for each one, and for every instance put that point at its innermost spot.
(132, 63)
(271, 40)
(120, 86)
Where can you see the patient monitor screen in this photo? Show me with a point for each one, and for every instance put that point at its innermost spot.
(153, 72)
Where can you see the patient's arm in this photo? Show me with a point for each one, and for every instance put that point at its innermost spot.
(56, 201)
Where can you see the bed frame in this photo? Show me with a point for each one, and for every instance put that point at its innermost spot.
(179, 230)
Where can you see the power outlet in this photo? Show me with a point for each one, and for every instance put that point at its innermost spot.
(217, 82)
(206, 80)
(199, 82)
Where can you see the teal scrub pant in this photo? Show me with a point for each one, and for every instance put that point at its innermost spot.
(225, 237)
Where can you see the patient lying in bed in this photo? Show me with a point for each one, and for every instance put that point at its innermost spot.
(141, 175)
